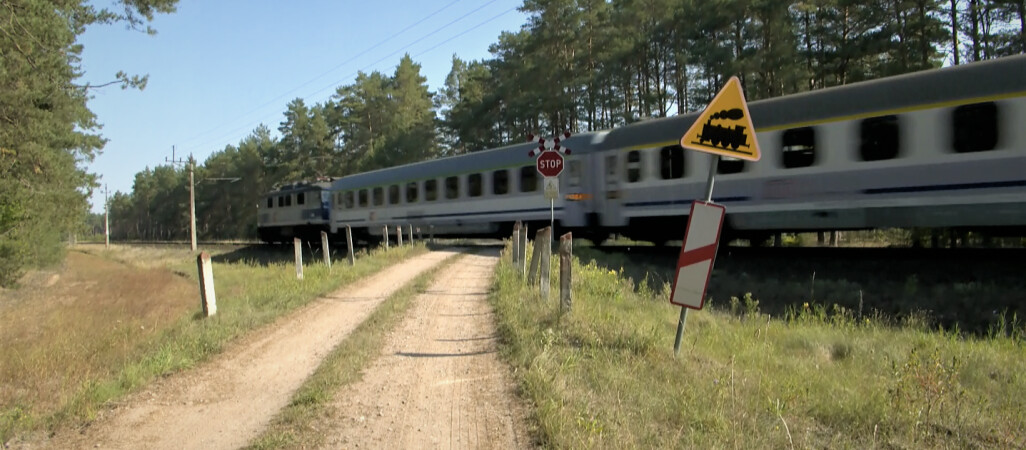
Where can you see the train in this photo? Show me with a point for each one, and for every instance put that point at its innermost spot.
(943, 148)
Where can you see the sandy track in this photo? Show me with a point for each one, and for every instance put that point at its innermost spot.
(230, 400)
(439, 382)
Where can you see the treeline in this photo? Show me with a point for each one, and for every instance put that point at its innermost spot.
(576, 65)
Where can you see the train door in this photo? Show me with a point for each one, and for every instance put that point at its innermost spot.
(612, 195)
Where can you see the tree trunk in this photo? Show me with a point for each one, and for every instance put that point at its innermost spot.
(954, 30)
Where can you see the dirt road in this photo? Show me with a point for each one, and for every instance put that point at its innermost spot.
(439, 382)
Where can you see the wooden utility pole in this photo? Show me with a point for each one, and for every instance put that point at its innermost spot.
(106, 218)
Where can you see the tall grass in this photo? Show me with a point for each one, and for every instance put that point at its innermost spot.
(92, 357)
(605, 376)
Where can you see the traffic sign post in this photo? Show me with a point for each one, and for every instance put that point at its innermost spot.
(723, 129)
(550, 164)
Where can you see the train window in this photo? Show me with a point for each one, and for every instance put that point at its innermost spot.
(633, 166)
(430, 190)
(474, 185)
(288, 200)
(301, 198)
(363, 198)
(528, 179)
(500, 182)
(726, 165)
(270, 202)
(574, 172)
(879, 138)
(348, 196)
(393, 194)
(411, 192)
(798, 146)
(378, 196)
(976, 127)
(671, 162)
(452, 187)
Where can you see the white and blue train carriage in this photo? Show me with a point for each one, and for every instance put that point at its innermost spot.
(477, 194)
(297, 210)
(939, 148)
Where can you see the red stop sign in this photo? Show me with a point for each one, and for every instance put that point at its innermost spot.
(550, 163)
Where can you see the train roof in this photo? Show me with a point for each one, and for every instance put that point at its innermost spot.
(301, 186)
(980, 81)
(481, 161)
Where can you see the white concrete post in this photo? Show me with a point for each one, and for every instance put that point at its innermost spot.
(206, 278)
(399, 235)
(297, 244)
(411, 233)
(543, 240)
(349, 242)
(326, 249)
(384, 235)
(516, 243)
(565, 276)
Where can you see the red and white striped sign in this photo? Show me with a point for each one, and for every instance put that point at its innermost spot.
(697, 255)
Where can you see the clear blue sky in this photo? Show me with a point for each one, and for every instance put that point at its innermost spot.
(220, 68)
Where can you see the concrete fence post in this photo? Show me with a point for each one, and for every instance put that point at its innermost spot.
(206, 281)
(326, 249)
(297, 244)
(516, 243)
(566, 242)
(399, 235)
(384, 236)
(522, 262)
(532, 273)
(349, 243)
(542, 240)
(411, 233)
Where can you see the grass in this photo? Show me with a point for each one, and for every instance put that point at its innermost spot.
(605, 376)
(292, 427)
(93, 353)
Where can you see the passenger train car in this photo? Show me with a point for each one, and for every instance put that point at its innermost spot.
(294, 210)
(940, 148)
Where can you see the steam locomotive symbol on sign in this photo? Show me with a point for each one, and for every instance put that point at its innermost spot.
(724, 137)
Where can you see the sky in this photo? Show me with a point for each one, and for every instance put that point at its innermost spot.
(218, 69)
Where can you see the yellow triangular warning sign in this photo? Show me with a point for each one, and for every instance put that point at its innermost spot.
(725, 127)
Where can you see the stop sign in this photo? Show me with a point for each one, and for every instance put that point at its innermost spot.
(550, 163)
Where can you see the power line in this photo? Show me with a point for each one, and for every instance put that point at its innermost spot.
(329, 71)
(334, 84)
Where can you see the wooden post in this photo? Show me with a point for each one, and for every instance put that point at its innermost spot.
(565, 276)
(399, 235)
(349, 242)
(384, 235)
(516, 243)
(326, 249)
(298, 245)
(542, 240)
(411, 233)
(206, 278)
(522, 262)
(532, 273)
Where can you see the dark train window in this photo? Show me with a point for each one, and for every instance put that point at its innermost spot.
(879, 138)
(574, 170)
(411, 192)
(798, 146)
(528, 179)
(301, 198)
(393, 194)
(379, 196)
(726, 165)
(430, 190)
(363, 198)
(633, 166)
(975, 127)
(500, 182)
(348, 199)
(452, 187)
(474, 185)
(671, 162)
(288, 200)
(270, 202)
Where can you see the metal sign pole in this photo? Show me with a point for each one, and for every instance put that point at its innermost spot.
(708, 198)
